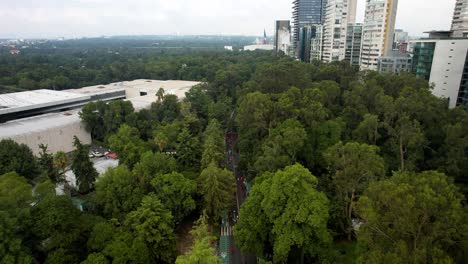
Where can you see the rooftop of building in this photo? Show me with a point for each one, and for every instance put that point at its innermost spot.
(49, 121)
(397, 54)
(38, 99)
(92, 90)
(176, 87)
(434, 39)
(142, 102)
(22, 101)
(38, 123)
(259, 47)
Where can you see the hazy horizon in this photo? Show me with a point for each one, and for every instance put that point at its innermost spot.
(52, 19)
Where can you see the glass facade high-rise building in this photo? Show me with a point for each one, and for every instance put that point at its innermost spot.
(306, 13)
(353, 44)
(423, 54)
(305, 37)
(463, 91)
(444, 63)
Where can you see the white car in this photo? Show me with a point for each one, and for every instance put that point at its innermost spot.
(91, 155)
(97, 154)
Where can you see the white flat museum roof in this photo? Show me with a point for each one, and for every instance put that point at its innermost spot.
(29, 100)
(22, 101)
(15, 102)
(176, 87)
(38, 123)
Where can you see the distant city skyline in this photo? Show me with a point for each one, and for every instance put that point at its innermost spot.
(93, 18)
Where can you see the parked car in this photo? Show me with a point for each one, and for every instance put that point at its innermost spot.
(111, 155)
(91, 155)
(98, 154)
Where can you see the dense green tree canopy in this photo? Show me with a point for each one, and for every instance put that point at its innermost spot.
(412, 218)
(60, 162)
(188, 150)
(348, 131)
(352, 167)
(83, 168)
(202, 251)
(217, 187)
(118, 192)
(152, 164)
(153, 224)
(59, 227)
(128, 145)
(115, 243)
(282, 146)
(18, 158)
(286, 214)
(213, 146)
(15, 199)
(46, 164)
(176, 193)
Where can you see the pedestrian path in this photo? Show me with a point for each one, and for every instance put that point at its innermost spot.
(226, 231)
(224, 241)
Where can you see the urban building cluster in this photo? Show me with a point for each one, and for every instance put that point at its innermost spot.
(327, 31)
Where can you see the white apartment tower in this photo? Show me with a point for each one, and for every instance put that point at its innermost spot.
(460, 19)
(338, 14)
(377, 32)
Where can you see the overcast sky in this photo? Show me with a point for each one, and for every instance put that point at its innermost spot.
(78, 18)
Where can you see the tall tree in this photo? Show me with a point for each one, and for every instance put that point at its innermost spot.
(160, 94)
(92, 115)
(83, 168)
(15, 205)
(153, 224)
(114, 242)
(353, 166)
(217, 186)
(60, 164)
(59, 227)
(282, 146)
(213, 146)
(412, 218)
(128, 145)
(253, 119)
(188, 150)
(199, 100)
(118, 192)
(46, 164)
(408, 139)
(19, 158)
(286, 216)
(161, 140)
(167, 110)
(202, 251)
(102, 119)
(454, 157)
(152, 164)
(116, 115)
(368, 130)
(176, 193)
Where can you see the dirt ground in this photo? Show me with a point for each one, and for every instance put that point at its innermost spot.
(184, 238)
